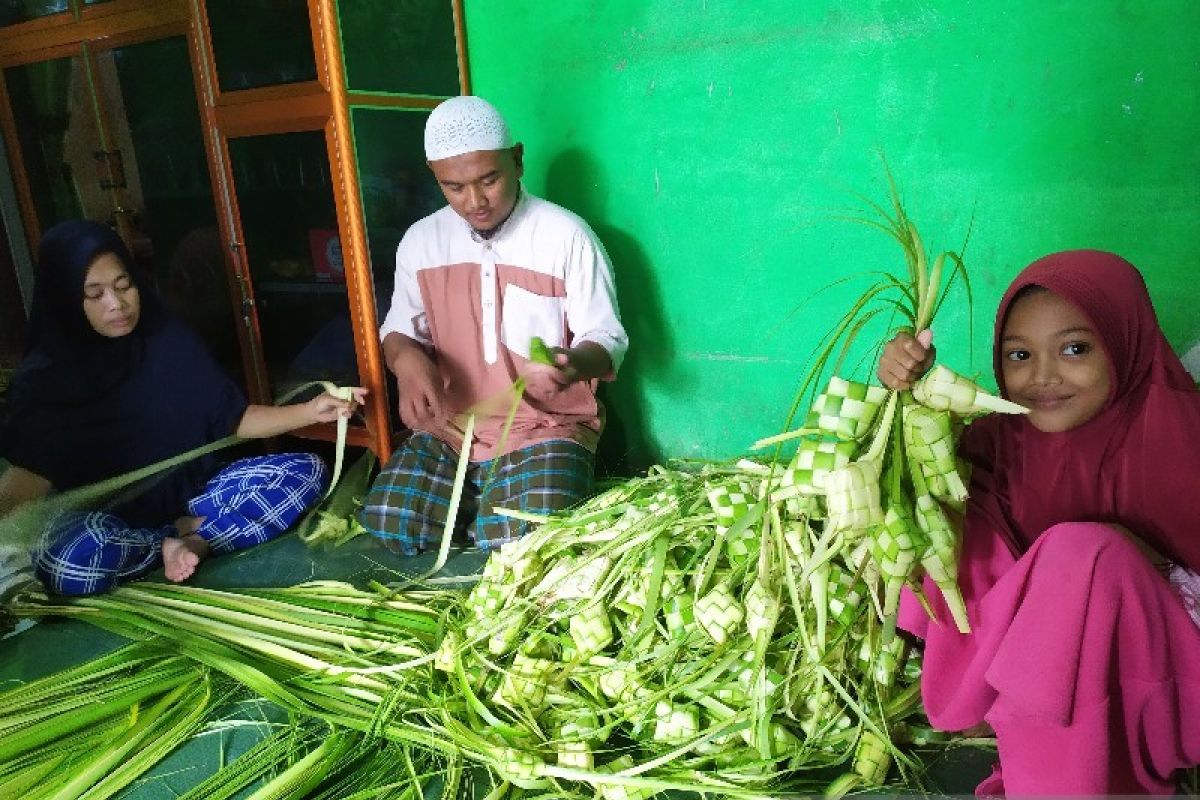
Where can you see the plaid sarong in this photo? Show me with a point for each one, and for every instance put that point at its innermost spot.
(409, 500)
(247, 503)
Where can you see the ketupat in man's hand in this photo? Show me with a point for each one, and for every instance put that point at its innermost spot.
(539, 353)
(552, 369)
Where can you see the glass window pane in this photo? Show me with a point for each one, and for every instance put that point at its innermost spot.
(404, 47)
(286, 202)
(57, 128)
(397, 189)
(166, 170)
(14, 11)
(261, 42)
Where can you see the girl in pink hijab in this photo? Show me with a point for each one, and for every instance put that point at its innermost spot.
(1081, 543)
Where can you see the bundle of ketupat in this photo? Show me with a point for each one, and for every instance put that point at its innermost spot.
(663, 635)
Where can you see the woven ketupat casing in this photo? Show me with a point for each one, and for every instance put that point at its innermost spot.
(591, 630)
(815, 458)
(675, 724)
(617, 791)
(846, 408)
(944, 389)
(940, 557)
(853, 496)
(844, 596)
(929, 439)
(730, 503)
(524, 685)
(719, 613)
(897, 544)
(762, 607)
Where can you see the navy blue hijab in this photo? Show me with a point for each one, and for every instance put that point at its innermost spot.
(83, 407)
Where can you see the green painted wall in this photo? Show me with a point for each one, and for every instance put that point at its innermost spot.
(714, 144)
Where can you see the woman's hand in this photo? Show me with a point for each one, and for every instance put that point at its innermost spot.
(260, 422)
(905, 359)
(327, 408)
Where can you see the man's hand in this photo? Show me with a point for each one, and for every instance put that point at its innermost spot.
(905, 359)
(544, 381)
(422, 403)
(422, 396)
(585, 361)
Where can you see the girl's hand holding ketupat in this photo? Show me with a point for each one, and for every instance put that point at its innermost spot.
(905, 359)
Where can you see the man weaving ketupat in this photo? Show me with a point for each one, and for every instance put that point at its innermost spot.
(475, 283)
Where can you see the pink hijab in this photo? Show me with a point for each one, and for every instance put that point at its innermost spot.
(1136, 463)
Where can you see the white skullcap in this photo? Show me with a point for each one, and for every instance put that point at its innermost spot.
(464, 125)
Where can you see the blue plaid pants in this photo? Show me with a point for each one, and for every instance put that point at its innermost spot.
(249, 502)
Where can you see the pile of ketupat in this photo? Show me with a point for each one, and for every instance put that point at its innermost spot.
(726, 629)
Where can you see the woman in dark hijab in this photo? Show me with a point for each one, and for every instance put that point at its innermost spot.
(113, 382)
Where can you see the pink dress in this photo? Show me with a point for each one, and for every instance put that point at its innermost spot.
(1082, 658)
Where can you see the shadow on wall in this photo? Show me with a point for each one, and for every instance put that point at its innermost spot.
(574, 181)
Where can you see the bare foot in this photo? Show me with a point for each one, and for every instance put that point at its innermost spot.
(181, 556)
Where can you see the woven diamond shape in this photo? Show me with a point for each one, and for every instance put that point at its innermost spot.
(762, 608)
(590, 630)
(524, 685)
(675, 724)
(844, 594)
(852, 496)
(846, 408)
(815, 458)
(577, 755)
(719, 613)
(730, 503)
